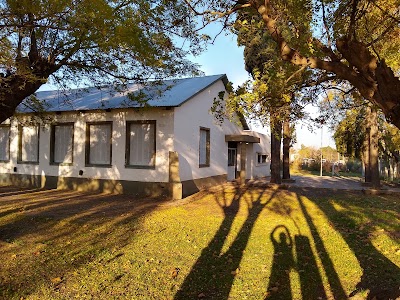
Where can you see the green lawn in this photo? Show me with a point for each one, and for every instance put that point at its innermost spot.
(227, 243)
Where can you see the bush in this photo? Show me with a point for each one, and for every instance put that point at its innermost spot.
(354, 165)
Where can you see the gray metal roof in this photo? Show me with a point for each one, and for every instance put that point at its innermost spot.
(170, 93)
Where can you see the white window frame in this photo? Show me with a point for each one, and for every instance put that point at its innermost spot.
(53, 146)
(88, 146)
(129, 163)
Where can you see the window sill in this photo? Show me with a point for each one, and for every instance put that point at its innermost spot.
(98, 165)
(140, 167)
(61, 164)
(204, 166)
(27, 162)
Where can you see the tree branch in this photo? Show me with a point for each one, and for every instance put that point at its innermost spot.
(218, 14)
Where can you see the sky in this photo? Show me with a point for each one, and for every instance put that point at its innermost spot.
(225, 57)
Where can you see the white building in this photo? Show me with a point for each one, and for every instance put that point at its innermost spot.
(102, 141)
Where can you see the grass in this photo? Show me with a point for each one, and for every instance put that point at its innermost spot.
(257, 242)
(295, 170)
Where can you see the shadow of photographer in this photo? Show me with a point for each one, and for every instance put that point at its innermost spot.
(298, 257)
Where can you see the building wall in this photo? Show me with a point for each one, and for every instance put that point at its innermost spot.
(117, 172)
(254, 169)
(189, 117)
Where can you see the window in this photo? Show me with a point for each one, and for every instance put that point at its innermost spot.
(28, 144)
(4, 143)
(98, 143)
(62, 143)
(204, 147)
(141, 144)
(262, 158)
(231, 157)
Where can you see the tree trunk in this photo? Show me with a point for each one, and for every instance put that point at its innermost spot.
(32, 72)
(12, 96)
(366, 147)
(286, 148)
(370, 152)
(374, 153)
(276, 136)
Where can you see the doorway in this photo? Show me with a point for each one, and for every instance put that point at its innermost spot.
(232, 161)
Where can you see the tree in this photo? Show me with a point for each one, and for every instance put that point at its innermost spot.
(271, 97)
(91, 42)
(357, 136)
(287, 138)
(353, 41)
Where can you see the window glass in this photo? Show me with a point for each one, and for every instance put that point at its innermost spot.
(63, 143)
(204, 147)
(141, 144)
(4, 143)
(231, 157)
(99, 144)
(262, 158)
(29, 144)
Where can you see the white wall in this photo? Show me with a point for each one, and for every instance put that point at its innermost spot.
(164, 144)
(254, 169)
(188, 119)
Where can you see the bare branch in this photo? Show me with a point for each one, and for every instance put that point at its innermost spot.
(328, 36)
(217, 14)
(295, 73)
(352, 26)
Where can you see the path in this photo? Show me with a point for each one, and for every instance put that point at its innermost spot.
(337, 183)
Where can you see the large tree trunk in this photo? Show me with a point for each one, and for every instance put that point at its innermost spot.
(31, 72)
(365, 156)
(370, 152)
(276, 137)
(13, 94)
(374, 153)
(287, 137)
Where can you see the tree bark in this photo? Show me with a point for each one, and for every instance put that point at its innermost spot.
(32, 73)
(276, 137)
(374, 152)
(370, 152)
(286, 149)
(366, 147)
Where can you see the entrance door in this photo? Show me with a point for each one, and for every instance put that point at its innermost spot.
(232, 163)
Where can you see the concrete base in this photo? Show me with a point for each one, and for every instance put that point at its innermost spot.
(190, 187)
(174, 190)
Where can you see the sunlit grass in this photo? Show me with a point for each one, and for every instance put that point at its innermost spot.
(222, 244)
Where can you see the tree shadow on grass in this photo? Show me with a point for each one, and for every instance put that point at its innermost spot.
(212, 275)
(333, 278)
(310, 277)
(49, 234)
(381, 277)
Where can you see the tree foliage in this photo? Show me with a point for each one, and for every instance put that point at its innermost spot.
(350, 134)
(351, 41)
(91, 42)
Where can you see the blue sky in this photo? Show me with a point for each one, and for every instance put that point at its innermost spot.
(225, 57)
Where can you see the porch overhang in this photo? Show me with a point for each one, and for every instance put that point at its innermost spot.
(242, 138)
